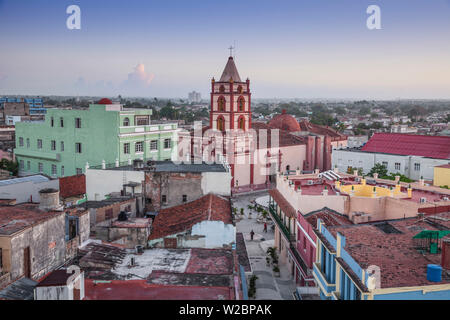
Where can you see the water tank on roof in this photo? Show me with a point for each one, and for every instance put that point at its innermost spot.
(434, 273)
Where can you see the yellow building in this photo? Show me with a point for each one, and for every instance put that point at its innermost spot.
(442, 175)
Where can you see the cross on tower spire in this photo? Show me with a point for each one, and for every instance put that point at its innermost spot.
(231, 48)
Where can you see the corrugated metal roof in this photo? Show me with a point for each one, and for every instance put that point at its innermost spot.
(437, 147)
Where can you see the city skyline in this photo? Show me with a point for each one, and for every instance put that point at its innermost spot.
(296, 50)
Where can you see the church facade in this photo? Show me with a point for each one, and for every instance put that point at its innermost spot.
(255, 152)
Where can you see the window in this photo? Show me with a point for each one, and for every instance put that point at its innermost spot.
(79, 171)
(62, 145)
(397, 166)
(39, 143)
(416, 166)
(221, 104)
(52, 122)
(28, 165)
(77, 123)
(164, 198)
(41, 167)
(154, 145)
(78, 147)
(28, 142)
(221, 89)
(384, 163)
(62, 171)
(139, 147)
(239, 89)
(61, 122)
(220, 124)
(241, 123)
(126, 122)
(126, 148)
(53, 145)
(21, 164)
(142, 120)
(167, 143)
(184, 198)
(54, 169)
(241, 104)
(20, 142)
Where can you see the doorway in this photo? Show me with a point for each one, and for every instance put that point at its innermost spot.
(26, 262)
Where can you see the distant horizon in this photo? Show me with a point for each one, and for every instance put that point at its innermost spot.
(298, 48)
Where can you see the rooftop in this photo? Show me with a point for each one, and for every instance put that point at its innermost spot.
(133, 223)
(22, 289)
(161, 266)
(105, 202)
(437, 147)
(183, 217)
(170, 166)
(55, 278)
(328, 217)
(142, 290)
(401, 264)
(34, 179)
(19, 217)
(230, 72)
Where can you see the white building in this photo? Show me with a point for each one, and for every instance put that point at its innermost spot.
(414, 156)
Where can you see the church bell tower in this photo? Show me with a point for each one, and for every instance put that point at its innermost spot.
(230, 101)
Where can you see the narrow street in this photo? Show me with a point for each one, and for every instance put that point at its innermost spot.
(268, 286)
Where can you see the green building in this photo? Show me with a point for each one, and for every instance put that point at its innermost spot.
(105, 133)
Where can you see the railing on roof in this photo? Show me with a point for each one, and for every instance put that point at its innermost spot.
(280, 223)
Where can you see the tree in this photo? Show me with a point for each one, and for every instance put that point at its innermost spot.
(380, 169)
(11, 166)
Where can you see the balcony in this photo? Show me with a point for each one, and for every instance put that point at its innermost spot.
(298, 259)
(280, 223)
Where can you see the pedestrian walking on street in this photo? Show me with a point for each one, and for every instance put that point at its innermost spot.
(251, 235)
(265, 226)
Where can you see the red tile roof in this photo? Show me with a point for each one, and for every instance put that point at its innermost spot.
(141, 290)
(285, 138)
(72, 186)
(283, 203)
(210, 261)
(16, 218)
(328, 216)
(183, 217)
(437, 147)
(322, 130)
(284, 121)
(400, 263)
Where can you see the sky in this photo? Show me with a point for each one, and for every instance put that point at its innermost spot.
(288, 49)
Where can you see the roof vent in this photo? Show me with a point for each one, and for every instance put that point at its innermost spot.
(423, 200)
(310, 182)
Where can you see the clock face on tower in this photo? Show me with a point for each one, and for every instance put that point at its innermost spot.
(230, 100)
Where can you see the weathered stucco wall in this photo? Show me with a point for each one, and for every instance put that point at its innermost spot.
(99, 182)
(47, 248)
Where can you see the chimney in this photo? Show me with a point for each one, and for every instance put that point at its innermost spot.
(49, 200)
(446, 254)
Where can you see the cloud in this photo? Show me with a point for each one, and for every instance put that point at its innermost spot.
(139, 78)
(137, 83)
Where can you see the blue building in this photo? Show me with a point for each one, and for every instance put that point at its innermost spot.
(36, 104)
(404, 259)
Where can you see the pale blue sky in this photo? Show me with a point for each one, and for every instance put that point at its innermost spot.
(298, 48)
